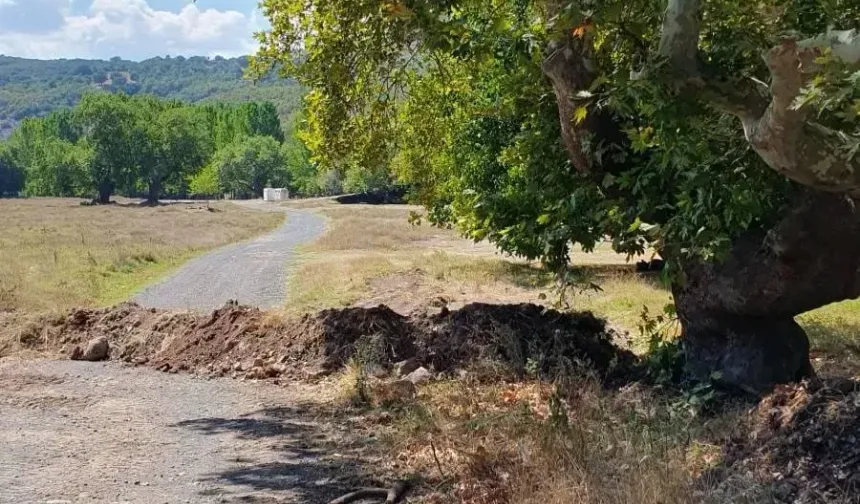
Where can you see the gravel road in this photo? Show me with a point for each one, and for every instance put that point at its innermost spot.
(251, 272)
(73, 432)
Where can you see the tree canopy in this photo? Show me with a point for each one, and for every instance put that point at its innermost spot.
(245, 167)
(715, 133)
(135, 145)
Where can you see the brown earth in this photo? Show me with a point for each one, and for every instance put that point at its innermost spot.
(804, 439)
(246, 342)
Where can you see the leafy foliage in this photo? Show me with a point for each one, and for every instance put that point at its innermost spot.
(452, 96)
(244, 167)
(142, 144)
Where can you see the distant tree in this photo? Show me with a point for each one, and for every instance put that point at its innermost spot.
(230, 123)
(169, 142)
(205, 182)
(359, 179)
(330, 182)
(245, 167)
(42, 151)
(302, 172)
(59, 169)
(108, 121)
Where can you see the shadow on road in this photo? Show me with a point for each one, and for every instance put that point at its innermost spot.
(295, 457)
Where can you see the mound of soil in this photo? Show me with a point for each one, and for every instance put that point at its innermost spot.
(241, 341)
(527, 337)
(804, 439)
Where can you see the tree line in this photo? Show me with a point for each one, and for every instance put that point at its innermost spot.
(146, 146)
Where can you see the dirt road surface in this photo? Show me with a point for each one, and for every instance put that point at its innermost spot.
(73, 432)
(251, 272)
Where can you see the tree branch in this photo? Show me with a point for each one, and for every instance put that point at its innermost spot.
(778, 131)
(679, 39)
(569, 69)
(391, 495)
(784, 137)
(679, 45)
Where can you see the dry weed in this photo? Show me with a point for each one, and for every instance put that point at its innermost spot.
(531, 443)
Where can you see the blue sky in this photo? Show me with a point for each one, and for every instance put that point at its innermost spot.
(131, 29)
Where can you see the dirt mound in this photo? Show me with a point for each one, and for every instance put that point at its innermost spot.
(133, 332)
(525, 336)
(335, 336)
(805, 440)
(241, 341)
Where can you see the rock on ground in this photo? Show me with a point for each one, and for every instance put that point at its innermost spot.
(403, 368)
(419, 376)
(97, 349)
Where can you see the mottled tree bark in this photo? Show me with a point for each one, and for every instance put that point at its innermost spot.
(783, 134)
(738, 314)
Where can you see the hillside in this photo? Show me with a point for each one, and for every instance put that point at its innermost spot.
(34, 87)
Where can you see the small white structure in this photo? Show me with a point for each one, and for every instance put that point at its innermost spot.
(276, 194)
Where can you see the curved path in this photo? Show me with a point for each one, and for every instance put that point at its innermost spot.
(252, 272)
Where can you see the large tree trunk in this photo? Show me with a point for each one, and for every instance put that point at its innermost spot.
(154, 192)
(105, 191)
(738, 315)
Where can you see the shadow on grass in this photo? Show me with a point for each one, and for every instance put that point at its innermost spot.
(526, 276)
(531, 276)
(296, 455)
(834, 336)
(835, 344)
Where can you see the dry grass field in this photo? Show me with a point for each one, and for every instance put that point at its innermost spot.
(372, 254)
(56, 254)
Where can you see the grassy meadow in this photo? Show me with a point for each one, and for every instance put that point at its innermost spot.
(56, 254)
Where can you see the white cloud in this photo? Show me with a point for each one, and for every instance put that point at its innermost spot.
(131, 29)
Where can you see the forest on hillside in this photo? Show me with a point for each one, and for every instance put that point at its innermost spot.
(31, 88)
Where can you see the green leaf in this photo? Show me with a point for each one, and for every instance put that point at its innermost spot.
(580, 114)
(608, 180)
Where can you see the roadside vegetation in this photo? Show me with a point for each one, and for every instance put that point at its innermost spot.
(56, 254)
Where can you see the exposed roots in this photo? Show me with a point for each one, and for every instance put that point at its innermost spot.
(391, 495)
